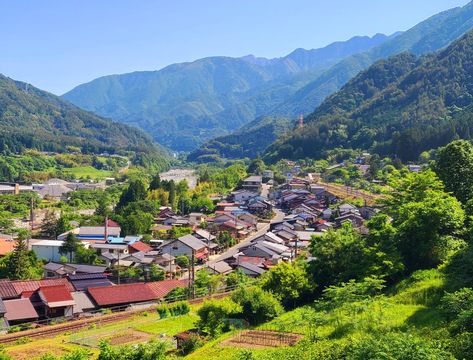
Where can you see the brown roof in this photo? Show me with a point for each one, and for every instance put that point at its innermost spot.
(20, 309)
(141, 246)
(122, 294)
(162, 288)
(33, 285)
(7, 291)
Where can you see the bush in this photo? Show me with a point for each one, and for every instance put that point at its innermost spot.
(213, 316)
(163, 311)
(257, 305)
(179, 308)
(453, 304)
(191, 344)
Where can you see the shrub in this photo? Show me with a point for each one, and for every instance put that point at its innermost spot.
(179, 308)
(453, 304)
(190, 344)
(257, 305)
(163, 311)
(213, 316)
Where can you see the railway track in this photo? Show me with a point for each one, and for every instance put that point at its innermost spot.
(348, 192)
(49, 331)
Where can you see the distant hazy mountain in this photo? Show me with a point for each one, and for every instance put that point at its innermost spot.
(432, 34)
(32, 118)
(184, 104)
(400, 106)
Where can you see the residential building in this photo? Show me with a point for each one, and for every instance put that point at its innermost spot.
(253, 183)
(187, 245)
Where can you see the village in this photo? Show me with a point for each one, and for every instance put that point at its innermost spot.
(251, 230)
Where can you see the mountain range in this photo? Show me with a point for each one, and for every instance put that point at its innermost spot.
(33, 118)
(185, 104)
(432, 34)
(400, 106)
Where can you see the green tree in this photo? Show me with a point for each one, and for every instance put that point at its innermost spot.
(155, 183)
(70, 245)
(103, 206)
(22, 264)
(454, 166)
(49, 224)
(258, 306)
(288, 282)
(183, 261)
(136, 191)
(214, 315)
(256, 166)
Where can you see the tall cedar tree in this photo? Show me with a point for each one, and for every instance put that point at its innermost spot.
(70, 246)
(20, 262)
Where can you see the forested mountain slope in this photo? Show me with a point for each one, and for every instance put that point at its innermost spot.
(184, 104)
(400, 106)
(430, 35)
(32, 118)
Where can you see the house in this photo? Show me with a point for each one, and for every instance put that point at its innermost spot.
(253, 183)
(196, 218)
(82, 282)
(368, 212)
(55, 270)
(243, 195)
(250, 269)
(54, 191)
(49, 249)
(347, 209)
(93, 233)
(187, 245)
(219, 268)
(139, 246)
(125, 294)
(18, 311)
(204, 235)
(83, 303)
(258, 250)
(7, 291)
(414, 168)
(354, 219)
(57, 301)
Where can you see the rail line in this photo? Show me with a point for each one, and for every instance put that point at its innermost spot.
(348, 192)
(49, 331)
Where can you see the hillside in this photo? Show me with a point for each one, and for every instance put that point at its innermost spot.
(184, 104)
(400, 106)
(249, 141)
(432, 34)
(32, 118)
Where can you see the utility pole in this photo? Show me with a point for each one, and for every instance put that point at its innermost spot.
(192, 274)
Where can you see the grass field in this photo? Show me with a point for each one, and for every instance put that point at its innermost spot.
(148, 323)
(88, 171)
(407, 308)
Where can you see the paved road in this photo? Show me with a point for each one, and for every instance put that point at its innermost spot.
(262, 229)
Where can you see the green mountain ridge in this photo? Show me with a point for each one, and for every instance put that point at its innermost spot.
(432, 34)
(400, 106)
(33, 118)
(185, 104)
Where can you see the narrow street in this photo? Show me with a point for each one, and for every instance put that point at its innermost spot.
(262, 229)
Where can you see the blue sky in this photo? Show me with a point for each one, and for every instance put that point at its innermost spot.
(58, 44)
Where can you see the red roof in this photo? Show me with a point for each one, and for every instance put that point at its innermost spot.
(111, 223)
(162, 288)
(122, 294)
(55, 293)
(141, 246)
(33, 285)
(258, 261)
